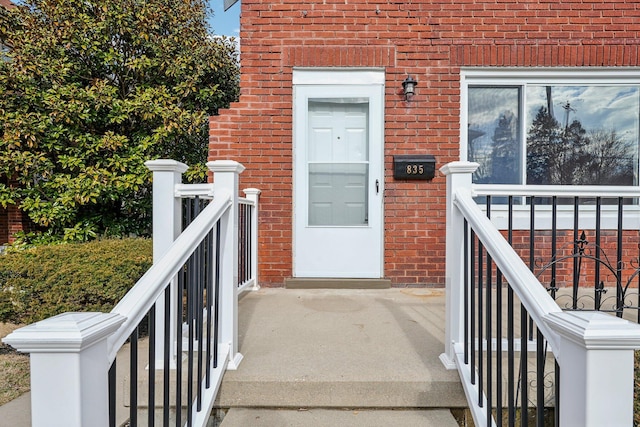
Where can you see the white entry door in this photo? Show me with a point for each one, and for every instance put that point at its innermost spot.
(338, 197)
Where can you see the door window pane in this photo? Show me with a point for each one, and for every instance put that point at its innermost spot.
(337, 194)
(337, 165)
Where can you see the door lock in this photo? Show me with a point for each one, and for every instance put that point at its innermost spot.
(377, 186)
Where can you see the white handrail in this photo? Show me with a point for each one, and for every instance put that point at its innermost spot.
(555, 190)
(524, 283)
(139, 300)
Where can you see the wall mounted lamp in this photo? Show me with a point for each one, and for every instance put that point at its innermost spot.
(409, 87)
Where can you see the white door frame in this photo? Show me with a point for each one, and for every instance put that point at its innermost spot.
(339, 83)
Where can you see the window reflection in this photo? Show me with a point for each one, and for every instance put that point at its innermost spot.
(574, 135)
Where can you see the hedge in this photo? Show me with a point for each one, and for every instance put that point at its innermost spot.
(47, 280)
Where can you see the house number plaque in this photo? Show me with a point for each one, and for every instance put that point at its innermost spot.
(414, 166)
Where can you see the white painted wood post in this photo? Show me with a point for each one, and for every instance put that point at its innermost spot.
(226, 174)
(69, 368)
(458, 176)
(167, 226)
(253, 195)
(596, 368)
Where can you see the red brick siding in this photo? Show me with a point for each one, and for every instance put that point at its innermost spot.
(4, 226)
(428, 39)
(16, 221)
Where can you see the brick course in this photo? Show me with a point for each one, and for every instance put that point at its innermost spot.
(431, 40)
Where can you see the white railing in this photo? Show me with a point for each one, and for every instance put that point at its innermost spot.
(72, 353)
(593, 350)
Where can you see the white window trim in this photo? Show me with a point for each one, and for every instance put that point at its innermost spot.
(557, 76)
(338, 76)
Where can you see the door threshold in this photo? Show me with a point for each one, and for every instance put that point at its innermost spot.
(331, 283)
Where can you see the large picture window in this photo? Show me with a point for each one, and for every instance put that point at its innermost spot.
(555, 132)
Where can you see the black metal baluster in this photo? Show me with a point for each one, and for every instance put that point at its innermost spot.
(597, 292)
(540, 362)
(480, 326)
(526, 324)
(191, 297)
(619, 265)
(489, 325)
(532, 249)
(209, 304)
(180, 321)
(200, 323)
(510, 333)
(466, 292)
(152, 366)
(133, 375)
(499, 350)
(524, 381)
(576, 274)
(167, 355)
(112, 394)
(216, 312)
(472, 314)
(557, 394)
(554, 245)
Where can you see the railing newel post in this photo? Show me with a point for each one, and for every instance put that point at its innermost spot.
(596, 357)
(253, 194)
(167, 226)
(69, 367)
(226, 175)
(458, 175)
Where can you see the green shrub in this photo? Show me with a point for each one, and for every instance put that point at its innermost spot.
(47, 280)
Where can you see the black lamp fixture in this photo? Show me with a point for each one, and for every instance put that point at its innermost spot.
(409, 87)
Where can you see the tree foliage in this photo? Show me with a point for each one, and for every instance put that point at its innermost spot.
(89, 91)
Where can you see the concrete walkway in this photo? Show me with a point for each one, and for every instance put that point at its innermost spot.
(311, 354)
(366, 350)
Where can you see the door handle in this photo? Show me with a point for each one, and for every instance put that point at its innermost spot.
(377, 186)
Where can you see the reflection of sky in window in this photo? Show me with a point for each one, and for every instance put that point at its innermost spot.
(596, 107)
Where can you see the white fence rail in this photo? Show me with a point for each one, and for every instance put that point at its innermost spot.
(73, 354)
(594, 350)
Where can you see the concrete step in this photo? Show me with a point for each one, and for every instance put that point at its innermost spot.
(328, 283)
(337, 349)
(242, 417)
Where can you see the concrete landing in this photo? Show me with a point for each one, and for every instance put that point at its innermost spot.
(314, 353)
(331, 418)
(321, 348)
(325, 283)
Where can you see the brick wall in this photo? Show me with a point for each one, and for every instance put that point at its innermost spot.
(428, 39)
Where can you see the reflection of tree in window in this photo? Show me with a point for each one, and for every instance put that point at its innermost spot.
(493, 134)
(498, 161)
(571, 155)
(505, 153)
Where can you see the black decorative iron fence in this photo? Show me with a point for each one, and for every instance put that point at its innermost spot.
(583, 249)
